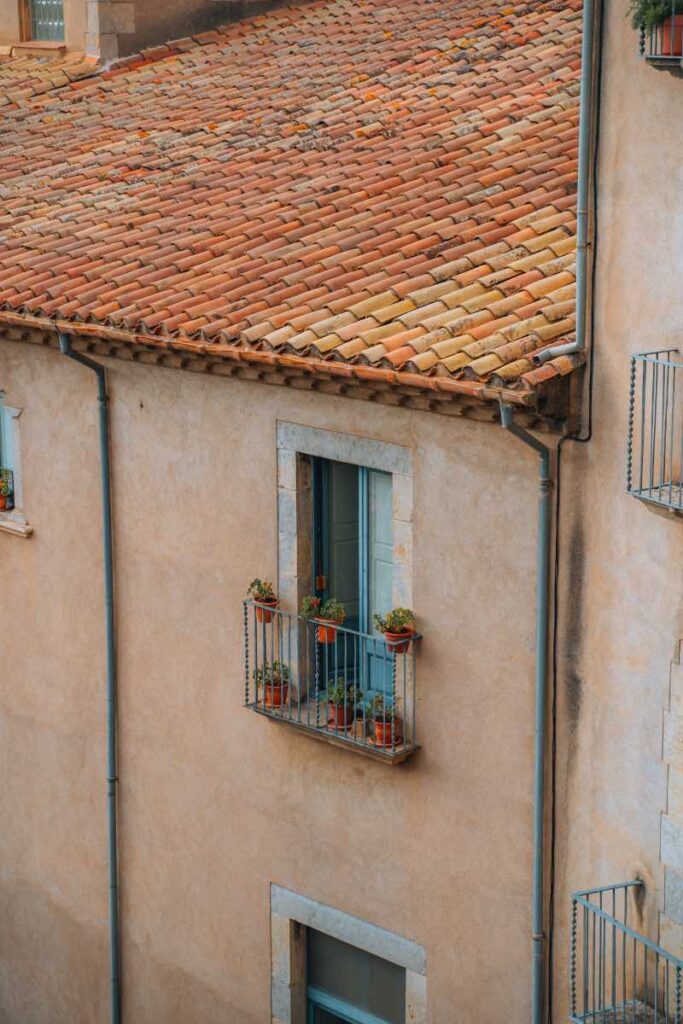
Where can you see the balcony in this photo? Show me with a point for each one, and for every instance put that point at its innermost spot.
(351, 689)
(617, 976)
(655, 432)
(662, 45)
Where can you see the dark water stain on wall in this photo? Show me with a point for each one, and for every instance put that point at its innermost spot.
(572, 635)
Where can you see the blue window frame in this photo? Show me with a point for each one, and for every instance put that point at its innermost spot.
(353, 553)
(326, 1009)
(6, 459)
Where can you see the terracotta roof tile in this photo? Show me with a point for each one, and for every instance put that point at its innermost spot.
(360, 186)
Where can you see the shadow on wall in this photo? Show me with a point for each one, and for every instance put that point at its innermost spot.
(53, 967)
(158, 21)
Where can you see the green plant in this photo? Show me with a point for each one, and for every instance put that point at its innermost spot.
(381, 708)
(333, 610)
(6, 483)
(398, 620)
(648, 14)
(341, 693)
(271, 673)
(310, 607)
(261, 590)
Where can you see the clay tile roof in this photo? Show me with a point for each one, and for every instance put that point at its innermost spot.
(23, 76)
(348, 187)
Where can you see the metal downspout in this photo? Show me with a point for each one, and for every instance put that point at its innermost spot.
(110, 627)
(586, 126)
(541, 694)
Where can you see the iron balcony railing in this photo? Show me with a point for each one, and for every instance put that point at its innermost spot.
(655, 429)
(350, 688)
(617, 975)
(663, 44)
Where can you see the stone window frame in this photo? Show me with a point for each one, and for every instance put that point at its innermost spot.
(15, 521)
(295, 446)
(291, 914)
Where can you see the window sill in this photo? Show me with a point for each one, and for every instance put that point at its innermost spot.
(15, 522)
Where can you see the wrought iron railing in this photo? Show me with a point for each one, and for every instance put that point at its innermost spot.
(663, 44)
(617, 975)
(335, 683)
(654, 467)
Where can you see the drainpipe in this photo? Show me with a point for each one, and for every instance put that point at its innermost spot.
(107, 546)
(586, 126)
(541, 690)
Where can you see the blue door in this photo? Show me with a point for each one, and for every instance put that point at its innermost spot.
(353, 562)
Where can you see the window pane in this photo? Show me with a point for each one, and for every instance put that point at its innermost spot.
(380, 543)
(343, 532)
(5, 439)
(361, 979)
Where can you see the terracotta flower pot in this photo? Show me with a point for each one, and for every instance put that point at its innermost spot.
(672, 36)
(340, 717)
(327, 630)
(276, 695)
(383, 732)
(3, 502)
(399, 642)
(263, 610)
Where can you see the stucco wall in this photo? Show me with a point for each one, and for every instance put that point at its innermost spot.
(217, 803)
(622, 564)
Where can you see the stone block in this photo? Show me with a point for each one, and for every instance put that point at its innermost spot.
(672, 843)
(403, 543)
(673, 738)
(673, 895)
(675, 794)
(402, 497)
(286, 468)
(671, 935)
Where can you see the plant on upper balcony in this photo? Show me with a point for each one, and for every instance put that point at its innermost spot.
(649, 15)
(310, 607)
(273, 678)
(6, 489)
(381, 710)
(263, 595)
(342, 698)
(398, 627)
(330, 614)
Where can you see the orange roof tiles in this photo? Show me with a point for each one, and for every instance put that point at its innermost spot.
(23, 76)
(384, 185)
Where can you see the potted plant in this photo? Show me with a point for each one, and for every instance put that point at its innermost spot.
(649, 15)
(273, 676)
(341, 700)
(329, 614)
(6, 489)
(262, 594)
(386, 725)
(398, 627)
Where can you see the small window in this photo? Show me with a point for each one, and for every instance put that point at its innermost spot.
(47, 20)
(346, 985)
(7, 488)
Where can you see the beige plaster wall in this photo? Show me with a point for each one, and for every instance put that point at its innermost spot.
(622, 564)
(217, 803)
(9, 22)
